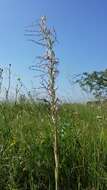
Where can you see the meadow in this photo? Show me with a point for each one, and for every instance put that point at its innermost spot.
(26, 147)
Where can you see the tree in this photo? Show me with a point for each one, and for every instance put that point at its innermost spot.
(47, 66)
(95, 83)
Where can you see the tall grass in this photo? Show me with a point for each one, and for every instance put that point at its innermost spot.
(26, 147)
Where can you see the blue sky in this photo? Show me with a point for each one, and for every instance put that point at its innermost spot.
(81, 27)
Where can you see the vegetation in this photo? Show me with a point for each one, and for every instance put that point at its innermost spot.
(26, 147)
(95, 83)
(47, 66)
(49, 146)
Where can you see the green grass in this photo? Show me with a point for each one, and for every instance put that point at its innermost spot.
(26, 148)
